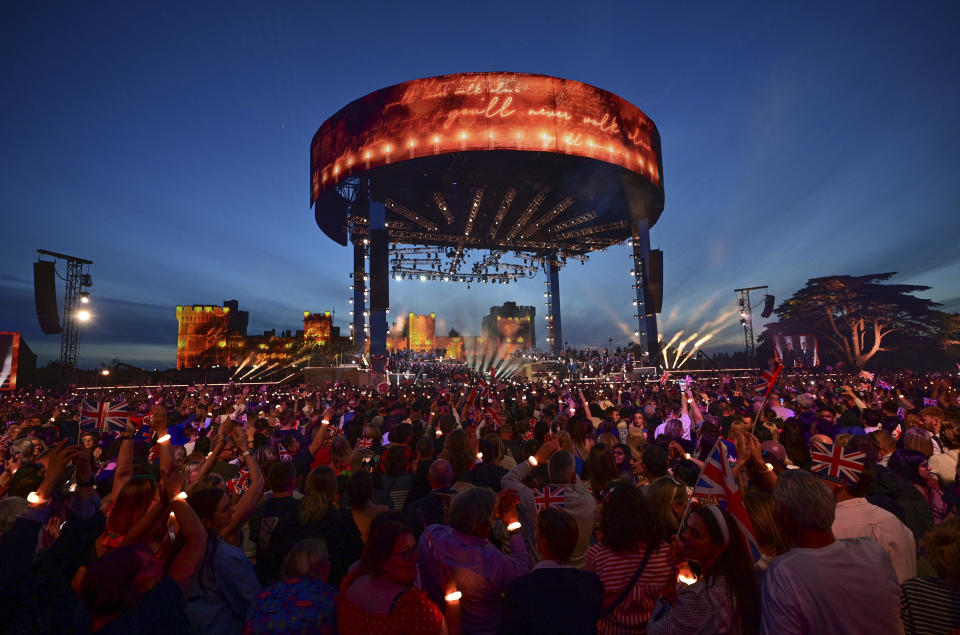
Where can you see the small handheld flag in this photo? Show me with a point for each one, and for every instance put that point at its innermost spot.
(103, 415)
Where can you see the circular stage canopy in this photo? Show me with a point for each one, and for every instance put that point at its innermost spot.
(510, 162)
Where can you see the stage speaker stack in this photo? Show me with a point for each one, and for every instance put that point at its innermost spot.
(379, 271)
(655, 281)
(45, 296)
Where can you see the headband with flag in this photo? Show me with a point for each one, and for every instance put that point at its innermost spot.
(717, 485)
(833, 463)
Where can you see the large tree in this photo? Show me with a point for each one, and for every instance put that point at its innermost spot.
(855, 315)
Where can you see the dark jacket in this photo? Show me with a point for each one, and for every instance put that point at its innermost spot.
(264, 521)
(429, 510)
(540, 602)
(901, 499)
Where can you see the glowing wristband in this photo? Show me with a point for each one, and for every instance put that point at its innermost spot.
(533, 461)
(453, 597)
(515, 525)
(182, 496)
(164, 439)
(685, 579)
(34, 499)
(325, 422)
(480, 455)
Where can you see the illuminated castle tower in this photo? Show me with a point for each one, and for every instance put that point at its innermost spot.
(421, 332)
(317, 327)
(202, 335)
(511, 327)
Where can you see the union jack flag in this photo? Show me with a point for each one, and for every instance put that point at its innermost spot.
(897, 432)
(486, 391)
(103, 415)
(769, 379)
(528, 435)
(718, 486)
(927, 401)
(364, 444)
(285, 456)
(549, 496)
(493, 417)
(833, 463)
(239, 483)
(882, 385)
(664, 377)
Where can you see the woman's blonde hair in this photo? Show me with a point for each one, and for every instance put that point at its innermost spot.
(761, 506)
(917, 439)
(635, 438)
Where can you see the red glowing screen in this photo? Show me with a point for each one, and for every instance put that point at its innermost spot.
(9, 360)
(482, 111)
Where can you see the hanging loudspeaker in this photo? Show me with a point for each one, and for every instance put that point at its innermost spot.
(45, 295)
(767, 306)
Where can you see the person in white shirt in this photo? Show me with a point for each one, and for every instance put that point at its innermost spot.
(857, 518)
(776, 404)
(825, 585)
(944, 465)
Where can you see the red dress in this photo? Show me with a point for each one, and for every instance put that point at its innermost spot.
(412, 613)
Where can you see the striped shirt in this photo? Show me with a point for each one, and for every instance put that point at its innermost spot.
(929, 606)
(615, 571)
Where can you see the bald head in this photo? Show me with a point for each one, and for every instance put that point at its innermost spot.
(440, 474)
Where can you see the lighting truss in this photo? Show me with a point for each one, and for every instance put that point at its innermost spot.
(528, 213)
(502, 212)
(409, 214)
(472, 218)
(583, 218)
(596, 229)
(442, 206)
(546, 218)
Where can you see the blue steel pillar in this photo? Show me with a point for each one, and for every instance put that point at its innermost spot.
(379, 279)
(359, 295)
(646, 321)
(557, 330)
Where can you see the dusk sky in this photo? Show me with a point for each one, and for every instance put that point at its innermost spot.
(169, 144)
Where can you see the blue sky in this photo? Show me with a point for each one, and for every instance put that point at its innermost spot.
(169, 144)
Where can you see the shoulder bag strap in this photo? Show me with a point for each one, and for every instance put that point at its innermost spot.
(626, 590)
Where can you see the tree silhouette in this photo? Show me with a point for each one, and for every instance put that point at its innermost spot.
(855, 315)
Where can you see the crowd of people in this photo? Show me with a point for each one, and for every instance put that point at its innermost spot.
(485, 506)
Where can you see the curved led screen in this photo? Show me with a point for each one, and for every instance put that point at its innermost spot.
(483, 111)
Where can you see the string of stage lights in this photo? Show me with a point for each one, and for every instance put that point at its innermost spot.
(438, 264)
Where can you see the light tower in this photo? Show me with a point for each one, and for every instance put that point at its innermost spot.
(78, 276)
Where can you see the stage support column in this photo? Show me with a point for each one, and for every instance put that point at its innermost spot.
(557, 329)
(379, 279)
(646, 331)
(359, 293)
